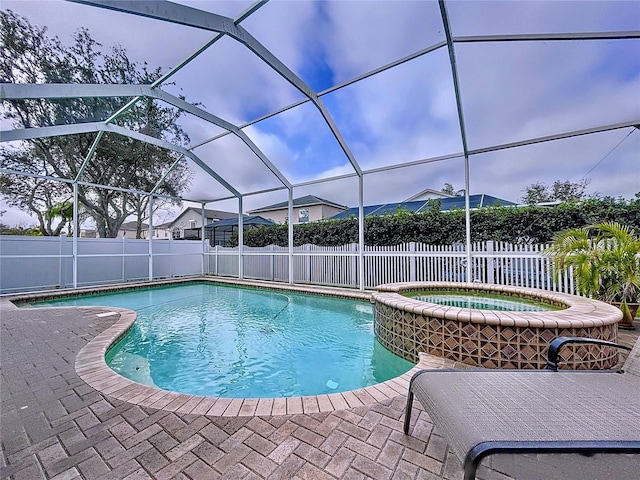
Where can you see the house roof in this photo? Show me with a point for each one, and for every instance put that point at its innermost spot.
(475, 201)
(229, 223)
(132, 226)
(306, 201)
(208, 214)
(164, 225)
(438, 193)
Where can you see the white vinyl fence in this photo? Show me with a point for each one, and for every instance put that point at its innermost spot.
(42, 263)
(493, 262)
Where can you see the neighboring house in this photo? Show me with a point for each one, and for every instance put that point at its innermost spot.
(305, 209)
(220, 232)
(188, 225)
(88, 233)
(129, 230)
(447, 203)
(162, 231)
(428, 194)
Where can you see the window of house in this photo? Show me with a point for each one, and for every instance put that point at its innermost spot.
(303, 215)
(192, 224)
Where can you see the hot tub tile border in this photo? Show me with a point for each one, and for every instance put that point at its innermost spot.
(408, 333)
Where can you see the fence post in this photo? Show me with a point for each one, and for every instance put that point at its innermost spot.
(307, 248)
(272, 263)
(412, 261)
(61, 272)
(491, 263)
(124, 251)
(353, 275)
(170, 256)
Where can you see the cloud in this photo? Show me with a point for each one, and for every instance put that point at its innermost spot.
(491, 17)
(510, 92)
(362, 36)
(609, 160)
(518, 91)
(11, 216)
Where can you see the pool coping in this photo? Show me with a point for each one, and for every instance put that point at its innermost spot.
(579, 312)
(91, 366)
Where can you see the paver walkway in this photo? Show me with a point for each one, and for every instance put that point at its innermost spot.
(53, 425)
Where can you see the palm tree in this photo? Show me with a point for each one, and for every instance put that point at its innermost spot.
(65, 211)
(605, 259)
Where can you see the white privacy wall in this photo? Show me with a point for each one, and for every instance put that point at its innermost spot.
(42, 263)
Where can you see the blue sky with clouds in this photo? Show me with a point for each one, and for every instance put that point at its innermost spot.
(510, 92)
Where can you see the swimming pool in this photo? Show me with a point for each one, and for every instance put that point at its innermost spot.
(217, 340)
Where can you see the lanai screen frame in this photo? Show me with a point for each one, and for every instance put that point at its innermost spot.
(224, 26)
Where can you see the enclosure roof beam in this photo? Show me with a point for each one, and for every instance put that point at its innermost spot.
(170, 146)
(193, 17)
(88, 184)
(559, 136)
(162, 79)
(454, 74)
(547, 37)
(452, 156)
(364, 76)
(456, 39)
(25, 134)
(164, 176)
(243, 16)
(60, 130)
(255, 192)
(59, 90)
(54, 131)
(22, 91)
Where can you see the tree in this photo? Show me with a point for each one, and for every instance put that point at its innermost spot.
(605, 259)
(559, 191)
(30, 56)
(449, 190)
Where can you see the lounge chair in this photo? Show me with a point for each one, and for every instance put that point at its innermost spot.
(482, 412)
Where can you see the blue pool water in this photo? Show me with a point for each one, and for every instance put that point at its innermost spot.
(216, 340)
(482, 301)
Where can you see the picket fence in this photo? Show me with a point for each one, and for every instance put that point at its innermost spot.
(492, 262)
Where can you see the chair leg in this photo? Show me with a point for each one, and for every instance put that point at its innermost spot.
(407, 412)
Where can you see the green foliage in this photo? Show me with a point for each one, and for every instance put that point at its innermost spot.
(529, 224)
(27, 231)
(63, 210)
(559, 191)
(605, 259)
(31, 56)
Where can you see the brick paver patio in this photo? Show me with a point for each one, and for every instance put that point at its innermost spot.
(53, 425)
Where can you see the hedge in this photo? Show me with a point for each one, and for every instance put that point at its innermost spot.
(529, 224)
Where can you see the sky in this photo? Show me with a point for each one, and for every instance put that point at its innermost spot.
(510, 92)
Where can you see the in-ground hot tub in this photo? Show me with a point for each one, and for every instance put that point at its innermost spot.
(492, 338)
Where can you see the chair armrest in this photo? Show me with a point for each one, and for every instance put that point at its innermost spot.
(558, 343)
